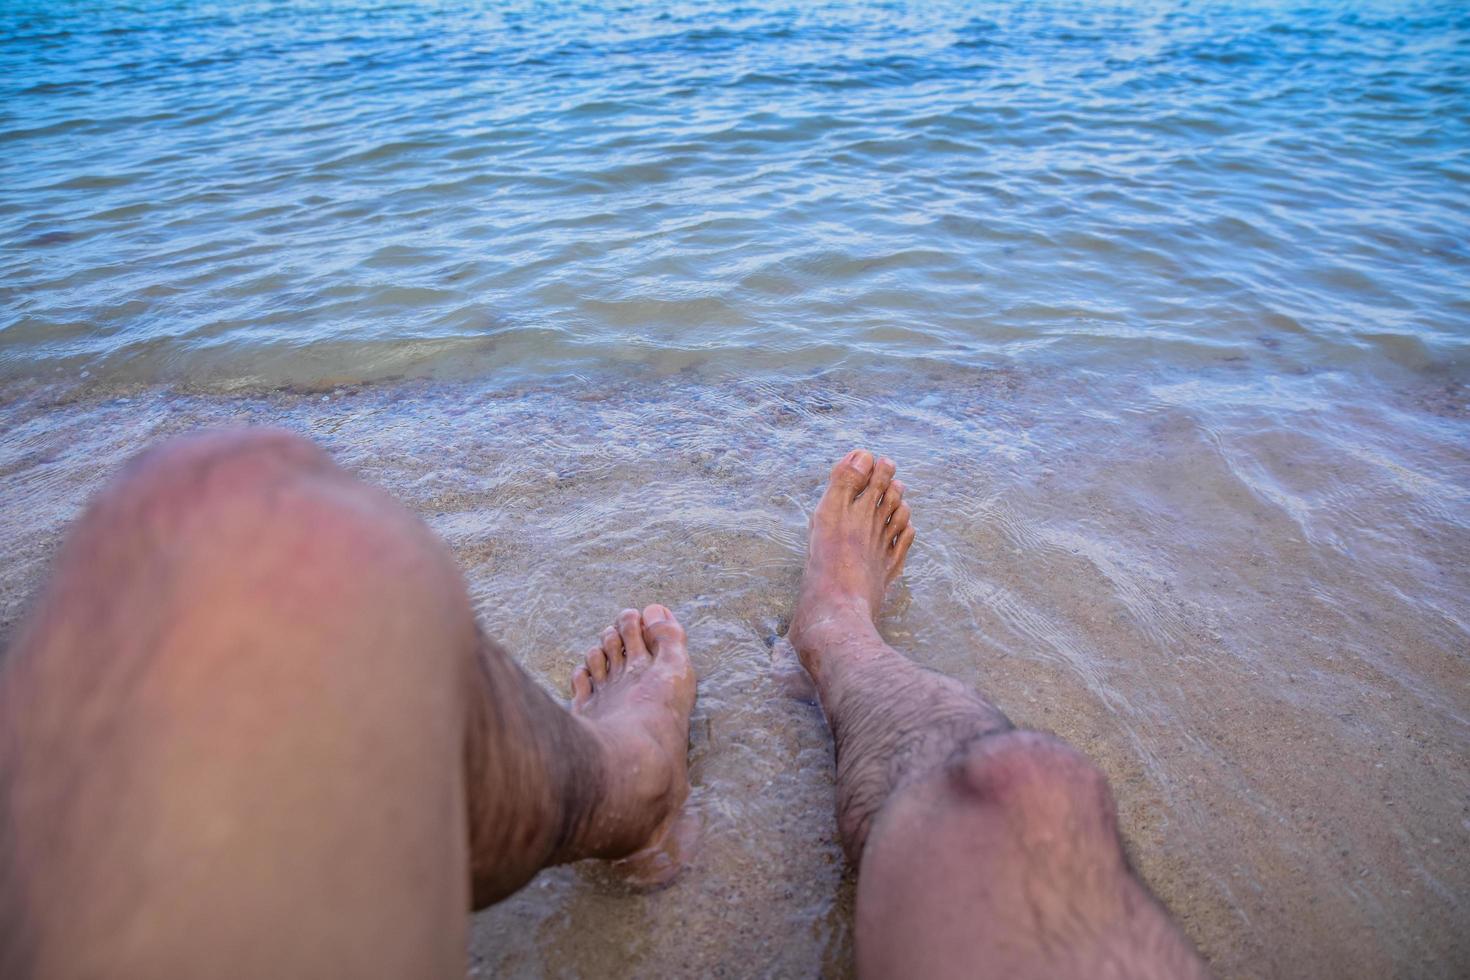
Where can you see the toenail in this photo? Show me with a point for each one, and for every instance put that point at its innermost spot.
(656, 614)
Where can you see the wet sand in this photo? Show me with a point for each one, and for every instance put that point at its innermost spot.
(1257, 624)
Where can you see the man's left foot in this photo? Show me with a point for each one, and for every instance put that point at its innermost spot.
(634, 694)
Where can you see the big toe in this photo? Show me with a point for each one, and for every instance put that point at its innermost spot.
(853, 471)
(663, 633)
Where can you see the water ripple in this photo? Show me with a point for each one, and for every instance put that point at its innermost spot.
(983, 180)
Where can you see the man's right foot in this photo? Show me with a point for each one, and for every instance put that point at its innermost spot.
(860, 536)
(882, 707)
(973, 839)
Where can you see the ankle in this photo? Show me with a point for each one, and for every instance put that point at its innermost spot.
(824, 625)
(513, 835)
(621, 807)
(583, 788)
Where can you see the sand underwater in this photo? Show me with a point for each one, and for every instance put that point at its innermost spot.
(1257, 630)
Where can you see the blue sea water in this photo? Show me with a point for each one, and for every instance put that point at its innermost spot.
(264, 192)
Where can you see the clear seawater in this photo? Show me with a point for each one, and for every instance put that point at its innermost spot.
(1163, 309)
(258, 192)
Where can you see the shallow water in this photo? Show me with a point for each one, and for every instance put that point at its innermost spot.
(1255, 622)
(256, 193)
(1161, 308)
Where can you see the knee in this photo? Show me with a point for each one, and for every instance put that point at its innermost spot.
(207, 467)
(249, 555)
(257, 496)
(1037, 782)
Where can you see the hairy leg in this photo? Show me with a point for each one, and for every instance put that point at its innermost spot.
(982, 849)
(250, 728)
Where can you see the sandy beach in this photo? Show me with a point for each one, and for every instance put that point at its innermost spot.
(1256, 631)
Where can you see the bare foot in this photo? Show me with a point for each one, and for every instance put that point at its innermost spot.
(634, 694)
(892, 720)
(859, 538)
(955, 819)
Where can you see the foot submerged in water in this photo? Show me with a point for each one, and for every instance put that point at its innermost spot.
(860, 535)
(634, 693)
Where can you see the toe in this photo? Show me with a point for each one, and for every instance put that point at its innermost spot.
(899, 520)
(853, 471)
(901, 547)
(882, 476)
(581, 686)
(630, 628)
(891, 500)
(662, 631)
(612, 648)
(597, 665)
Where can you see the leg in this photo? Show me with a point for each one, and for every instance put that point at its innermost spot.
(251, 729)
(981, 848)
